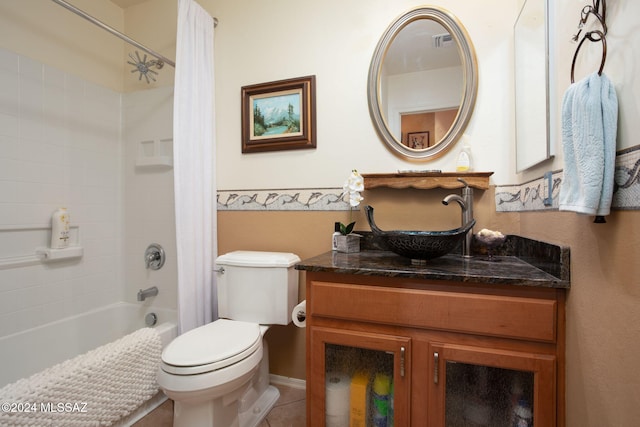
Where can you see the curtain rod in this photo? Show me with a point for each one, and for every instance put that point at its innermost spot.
(118, 33)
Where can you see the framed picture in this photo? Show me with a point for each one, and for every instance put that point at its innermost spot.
(279, 115)
(418, 140)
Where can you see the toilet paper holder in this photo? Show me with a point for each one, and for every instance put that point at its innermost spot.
(299, 314)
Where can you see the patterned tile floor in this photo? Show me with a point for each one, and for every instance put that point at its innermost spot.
(289, 411)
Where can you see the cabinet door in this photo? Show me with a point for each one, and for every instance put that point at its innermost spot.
(476, 386)
(357, 378)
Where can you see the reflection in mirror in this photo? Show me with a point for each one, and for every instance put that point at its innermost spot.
(422, 77)
(422, 83)
(532, 84)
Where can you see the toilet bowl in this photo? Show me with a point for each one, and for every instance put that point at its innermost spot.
(218, 374)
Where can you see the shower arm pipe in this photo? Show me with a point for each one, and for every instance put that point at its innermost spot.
(115, 32)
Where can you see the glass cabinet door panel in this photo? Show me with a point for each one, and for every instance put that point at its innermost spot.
(365, 379)
(479, 395)
(358, 386)
(481, 387)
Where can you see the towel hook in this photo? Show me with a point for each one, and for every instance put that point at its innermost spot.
(584, 16)
(598, 8)
(590, 36)
(603, 14)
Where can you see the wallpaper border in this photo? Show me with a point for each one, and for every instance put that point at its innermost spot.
(525, 197)
(300, 199)
(530, 196)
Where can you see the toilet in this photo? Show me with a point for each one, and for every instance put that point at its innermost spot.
(218, 374)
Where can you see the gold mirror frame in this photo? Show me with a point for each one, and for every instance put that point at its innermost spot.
(470, 83)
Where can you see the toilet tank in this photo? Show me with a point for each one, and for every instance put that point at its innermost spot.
(259, 287)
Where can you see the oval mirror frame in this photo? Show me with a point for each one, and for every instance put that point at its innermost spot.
(469, 86)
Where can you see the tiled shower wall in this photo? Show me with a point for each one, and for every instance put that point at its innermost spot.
(60, 145)
(148, 194)
(67, 142)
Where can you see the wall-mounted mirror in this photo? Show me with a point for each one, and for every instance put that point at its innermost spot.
(422, 83)
(534, 118)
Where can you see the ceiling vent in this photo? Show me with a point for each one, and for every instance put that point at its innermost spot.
(442, 40)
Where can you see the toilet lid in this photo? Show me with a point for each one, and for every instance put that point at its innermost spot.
(210, 347)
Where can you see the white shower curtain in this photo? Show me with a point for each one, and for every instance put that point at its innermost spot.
(194, 179)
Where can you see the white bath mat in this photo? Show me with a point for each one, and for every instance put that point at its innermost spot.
(94, 389)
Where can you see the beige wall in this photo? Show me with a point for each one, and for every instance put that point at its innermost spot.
(603, 314)
(152, 23)
(257, 42)
(278, 231)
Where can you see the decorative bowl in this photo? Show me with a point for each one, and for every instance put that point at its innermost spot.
(419, 245)
(490, 240)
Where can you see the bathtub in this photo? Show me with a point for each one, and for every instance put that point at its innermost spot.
(25, 353)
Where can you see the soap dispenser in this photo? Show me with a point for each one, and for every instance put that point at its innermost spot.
(464, 163)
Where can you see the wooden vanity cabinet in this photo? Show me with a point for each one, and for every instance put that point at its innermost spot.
(459, 354)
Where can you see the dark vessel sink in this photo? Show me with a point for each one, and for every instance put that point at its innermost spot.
(419, 245)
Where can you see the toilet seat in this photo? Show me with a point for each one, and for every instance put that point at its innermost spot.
(211, 347)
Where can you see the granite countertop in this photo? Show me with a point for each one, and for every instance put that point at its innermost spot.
(522, 262)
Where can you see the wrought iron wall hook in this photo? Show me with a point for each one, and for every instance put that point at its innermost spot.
(577, 36)
(591, 11)
(599, 10)
(595, 11)
(603, 13)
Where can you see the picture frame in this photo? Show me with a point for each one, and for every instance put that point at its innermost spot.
(418, 140)
(279, 115)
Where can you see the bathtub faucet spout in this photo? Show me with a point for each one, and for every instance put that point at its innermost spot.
(149, 292)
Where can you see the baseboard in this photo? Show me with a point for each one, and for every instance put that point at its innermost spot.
(288, 381)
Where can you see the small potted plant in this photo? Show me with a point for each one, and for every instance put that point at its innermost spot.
(348, 241)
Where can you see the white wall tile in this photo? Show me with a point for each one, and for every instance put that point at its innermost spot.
(9, 125)
(53, 77)
(9, 92)
(30, 68)
(61, 141)
(9, 61)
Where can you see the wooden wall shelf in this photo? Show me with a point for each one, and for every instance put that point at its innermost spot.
(426, 180)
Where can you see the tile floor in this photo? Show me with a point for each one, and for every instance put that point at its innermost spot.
(289, 411)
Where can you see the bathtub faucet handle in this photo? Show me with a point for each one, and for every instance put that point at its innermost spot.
(154, 257)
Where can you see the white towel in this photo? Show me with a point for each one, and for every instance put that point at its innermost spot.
(94, 389)
(589, 128)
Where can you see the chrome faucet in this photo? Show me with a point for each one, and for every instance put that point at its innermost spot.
(149, 292)
(466, 205)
